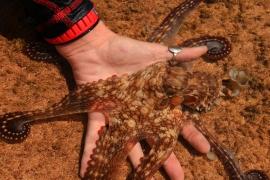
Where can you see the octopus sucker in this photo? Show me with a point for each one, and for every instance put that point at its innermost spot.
(155, 102)
(14, 132)
(256, 175)
(40, 51)
(218, 47)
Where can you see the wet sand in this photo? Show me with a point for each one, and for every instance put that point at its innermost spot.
(53, 149)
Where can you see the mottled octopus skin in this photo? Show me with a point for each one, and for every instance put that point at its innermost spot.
(139, 106)
(150, 110)
(154, 102)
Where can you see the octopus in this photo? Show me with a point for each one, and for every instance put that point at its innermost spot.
(155, 102)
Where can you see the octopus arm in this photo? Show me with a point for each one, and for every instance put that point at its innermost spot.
(113, 147)
(15, 127)
(169, 28)
(224, 154)
(40, 51)
(158, 154)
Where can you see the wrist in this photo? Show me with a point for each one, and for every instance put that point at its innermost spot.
(94, 41)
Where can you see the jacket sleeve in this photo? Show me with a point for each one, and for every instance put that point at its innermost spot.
(60, 22)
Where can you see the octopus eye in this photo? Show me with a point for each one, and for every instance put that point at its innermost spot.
(190, 100)
(176, 100)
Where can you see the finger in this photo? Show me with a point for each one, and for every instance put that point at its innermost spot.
(195, 138)
(95, 121)
(171, 165)
(188, 54)
(173, 168)
(135, 155)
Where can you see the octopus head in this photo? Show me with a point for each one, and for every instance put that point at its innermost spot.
(198, 90)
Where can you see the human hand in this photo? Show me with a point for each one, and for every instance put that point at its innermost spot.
(101, 54)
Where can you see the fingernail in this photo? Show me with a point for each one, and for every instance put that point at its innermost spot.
(214, 46)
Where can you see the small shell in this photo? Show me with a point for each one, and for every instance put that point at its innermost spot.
(211, 156)
(239, 80)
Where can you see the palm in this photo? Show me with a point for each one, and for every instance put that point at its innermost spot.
(121, 55)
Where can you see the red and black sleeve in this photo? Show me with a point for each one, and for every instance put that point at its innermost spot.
(61, 21)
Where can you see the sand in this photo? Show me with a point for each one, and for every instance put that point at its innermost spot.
(53, 149)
